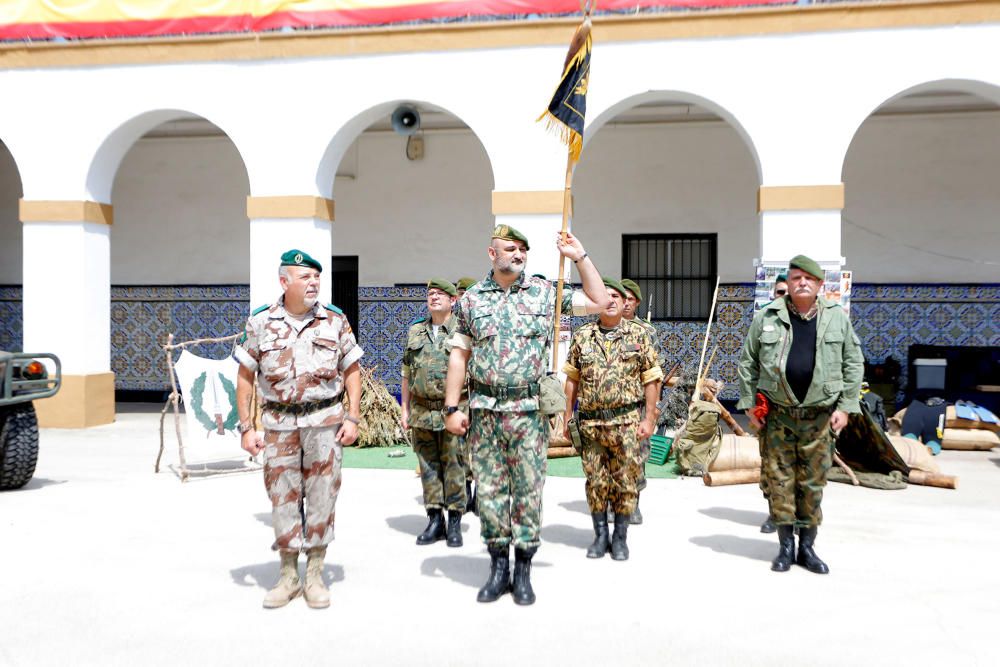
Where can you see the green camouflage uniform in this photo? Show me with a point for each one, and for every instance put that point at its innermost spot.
(508, 335)
(797, 446)
(645, 445)
(441, 454)
(611, 370)
(300, 361)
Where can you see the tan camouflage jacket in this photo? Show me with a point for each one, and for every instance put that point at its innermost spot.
(507, 333)
(612, 368)
(299, 361)
(425, 367)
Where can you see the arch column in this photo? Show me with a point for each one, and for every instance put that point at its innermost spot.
(67, 306)
(281, 223)
(801, 219)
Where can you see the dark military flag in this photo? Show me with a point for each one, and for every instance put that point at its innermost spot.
(566, 112)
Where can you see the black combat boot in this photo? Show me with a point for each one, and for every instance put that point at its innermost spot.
(619, 549)
(499, 581)
(768, 526)
(470, 495)
(454, 528)
(807, 558)
(786, 549)
(522, 592)
(602, 541)
(435, 527)
(636, 518)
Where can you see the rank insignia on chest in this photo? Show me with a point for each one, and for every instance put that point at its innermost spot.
(632, 347)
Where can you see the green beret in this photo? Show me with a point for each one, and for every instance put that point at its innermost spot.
(782, 278)
(465, 283)
(615, 285)
(810, 266)
(633, 287)
(442, 285)
(508, 233)
(298, 258)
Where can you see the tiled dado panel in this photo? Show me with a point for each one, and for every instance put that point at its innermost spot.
(888, 319)
(11, 317)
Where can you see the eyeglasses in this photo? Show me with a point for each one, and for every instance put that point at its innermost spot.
(780, 292)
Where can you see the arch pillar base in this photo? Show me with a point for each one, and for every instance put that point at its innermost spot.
(82, 401)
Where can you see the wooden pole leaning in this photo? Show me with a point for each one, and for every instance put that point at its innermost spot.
(567, 205)
(704, 345)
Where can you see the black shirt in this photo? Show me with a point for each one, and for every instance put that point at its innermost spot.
(802, 356)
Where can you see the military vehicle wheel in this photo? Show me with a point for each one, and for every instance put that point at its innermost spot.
(18, 445)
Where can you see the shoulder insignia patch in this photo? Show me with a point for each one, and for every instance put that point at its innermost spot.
(332, 307)
(261, 309)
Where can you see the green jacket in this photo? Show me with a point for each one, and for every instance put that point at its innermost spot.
(839, 361)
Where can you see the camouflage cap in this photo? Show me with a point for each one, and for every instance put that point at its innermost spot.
(508, 233)
(298, 258)
(633, 287)
(615, 285)
(808, 265)
(443, 285)
(465, 283)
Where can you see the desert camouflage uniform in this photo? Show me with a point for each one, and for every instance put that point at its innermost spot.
(441, 454)
(797, 442)
(508, 334)
(300, 361)
(611, 370)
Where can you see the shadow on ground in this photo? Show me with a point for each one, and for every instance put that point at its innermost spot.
(265, 575)
(580, 506)
(763, 550)
(996, 462)
(744, 517)
(470, 571)
(40, 483)
(411, 524)
(571, 536)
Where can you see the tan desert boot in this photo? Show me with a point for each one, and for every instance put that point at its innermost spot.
(288, 587)
(317, 594)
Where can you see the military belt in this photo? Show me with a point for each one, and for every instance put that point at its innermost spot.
(810, 412)
(609, 413)
(300, 409)
(504, 392)
(431, 403)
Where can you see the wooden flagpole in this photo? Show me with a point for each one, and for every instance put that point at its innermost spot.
(567, 204)
(704, 345)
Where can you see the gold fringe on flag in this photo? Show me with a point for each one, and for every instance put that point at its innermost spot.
(577, 58)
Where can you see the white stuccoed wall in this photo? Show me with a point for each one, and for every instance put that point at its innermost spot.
(928, 182)
(180, 214)
(794, 120)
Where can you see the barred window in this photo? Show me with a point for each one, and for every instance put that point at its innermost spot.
(676, 271)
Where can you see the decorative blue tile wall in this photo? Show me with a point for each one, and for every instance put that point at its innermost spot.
(143, 316)
(10, 317)
(887, 318)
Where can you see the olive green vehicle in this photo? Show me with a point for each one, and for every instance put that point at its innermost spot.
(23, 379)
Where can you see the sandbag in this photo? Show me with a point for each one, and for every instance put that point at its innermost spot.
(737, 452)
(914, 453)
(951, 420)
(976, 439)
(697, 446)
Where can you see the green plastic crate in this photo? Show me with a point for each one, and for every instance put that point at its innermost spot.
(659, 448)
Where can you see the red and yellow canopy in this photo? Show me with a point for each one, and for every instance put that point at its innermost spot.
(83, 19)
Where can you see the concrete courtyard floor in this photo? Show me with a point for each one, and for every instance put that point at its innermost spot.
(105, 563)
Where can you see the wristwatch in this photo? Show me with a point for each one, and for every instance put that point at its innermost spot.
(243, 427)
(449, 410)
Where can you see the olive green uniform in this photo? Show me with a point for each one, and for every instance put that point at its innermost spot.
(797, 442)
